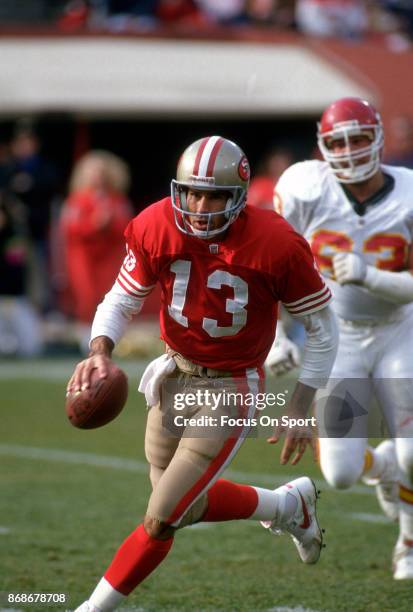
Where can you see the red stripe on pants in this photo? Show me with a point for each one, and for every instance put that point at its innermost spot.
(208, 475)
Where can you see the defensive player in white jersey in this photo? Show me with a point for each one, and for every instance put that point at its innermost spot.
(357, 215)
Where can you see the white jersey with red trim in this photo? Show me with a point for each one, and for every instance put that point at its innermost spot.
(219, 298)
(312, 200)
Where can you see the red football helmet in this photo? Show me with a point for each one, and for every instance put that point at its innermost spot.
(345, 118)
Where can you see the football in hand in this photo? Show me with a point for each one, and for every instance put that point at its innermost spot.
(101, 402)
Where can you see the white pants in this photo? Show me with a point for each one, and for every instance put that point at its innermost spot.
(371, 360)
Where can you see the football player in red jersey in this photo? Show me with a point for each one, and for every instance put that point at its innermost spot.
(222, 268)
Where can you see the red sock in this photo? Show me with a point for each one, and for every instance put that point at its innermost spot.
(228, 501)
(135, 559)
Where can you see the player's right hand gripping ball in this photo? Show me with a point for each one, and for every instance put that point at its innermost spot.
(101, 402)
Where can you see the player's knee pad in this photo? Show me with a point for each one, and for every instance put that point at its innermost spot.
(340, 466)
(341, 477)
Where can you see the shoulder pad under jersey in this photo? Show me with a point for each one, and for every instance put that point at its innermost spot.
(303, 180)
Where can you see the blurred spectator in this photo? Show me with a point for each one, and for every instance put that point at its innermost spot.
(265, 13)
(261, 189)
(121, 15)
(261, 12)
(335, 18)
(182, 11)
(20, 332)
(115, 15)
(230, 12)
(94, 217)
(403, 10)
(401, 136)
(33, 180)
(74, 16)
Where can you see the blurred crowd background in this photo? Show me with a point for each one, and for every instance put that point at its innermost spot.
(346, 18)
(68, 187)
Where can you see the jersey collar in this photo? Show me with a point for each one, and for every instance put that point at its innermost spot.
(360, 208)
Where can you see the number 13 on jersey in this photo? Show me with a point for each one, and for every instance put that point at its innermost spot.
(235, 306)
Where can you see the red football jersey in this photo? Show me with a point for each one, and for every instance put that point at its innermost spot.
(219, 297)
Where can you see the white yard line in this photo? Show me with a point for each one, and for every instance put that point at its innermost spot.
(367, 517)
(60, 369)
(62, 456)
(133, 465)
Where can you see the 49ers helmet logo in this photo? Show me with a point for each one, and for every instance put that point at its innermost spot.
(244, 169)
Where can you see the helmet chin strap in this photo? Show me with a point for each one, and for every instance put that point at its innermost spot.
(205, 234)
(209, 234)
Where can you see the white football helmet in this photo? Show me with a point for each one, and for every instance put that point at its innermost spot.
(214, 164)
(345, 118)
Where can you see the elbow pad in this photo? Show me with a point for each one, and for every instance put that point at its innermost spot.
(320, 347)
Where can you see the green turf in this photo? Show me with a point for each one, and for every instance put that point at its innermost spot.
(61, 522)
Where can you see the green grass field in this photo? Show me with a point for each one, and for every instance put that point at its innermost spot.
(69, 497)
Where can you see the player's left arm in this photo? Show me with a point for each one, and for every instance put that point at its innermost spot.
(305, 296)
(320, 350)
(396, 287)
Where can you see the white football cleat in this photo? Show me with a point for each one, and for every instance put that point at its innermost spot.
(387, 486)
(87, 607)
(403, 559)
(302, 525)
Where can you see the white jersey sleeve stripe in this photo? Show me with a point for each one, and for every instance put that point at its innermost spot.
(306, 298)
(125, 283)
(309, 302)
(312, 306)
(326, 293)
(130, 290)
(133, 282)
